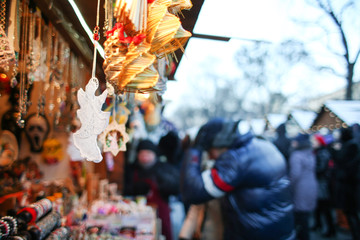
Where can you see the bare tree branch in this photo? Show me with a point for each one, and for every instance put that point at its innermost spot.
(338, 24)
(357, 56)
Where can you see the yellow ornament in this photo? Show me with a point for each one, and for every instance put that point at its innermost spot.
(52, 151)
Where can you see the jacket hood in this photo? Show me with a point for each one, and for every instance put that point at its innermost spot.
(281, 129)
(242, 140)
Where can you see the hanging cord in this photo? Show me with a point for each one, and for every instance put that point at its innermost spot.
(96, 38)
(114, 108)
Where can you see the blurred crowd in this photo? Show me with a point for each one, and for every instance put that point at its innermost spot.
(324, 168)
(228, 183)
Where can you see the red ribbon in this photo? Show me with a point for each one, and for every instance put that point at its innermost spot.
(138, 39)
(31, 211)
(120, 27)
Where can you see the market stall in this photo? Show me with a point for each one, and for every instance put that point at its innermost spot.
(71, 115)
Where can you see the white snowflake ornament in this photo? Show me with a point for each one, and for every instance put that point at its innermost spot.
(93, 121)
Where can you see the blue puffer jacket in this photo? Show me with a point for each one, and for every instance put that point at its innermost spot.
(251, 180)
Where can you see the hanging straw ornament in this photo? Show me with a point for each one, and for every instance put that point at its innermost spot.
(164, 31)
(178, 5)
(93, 120)
(133, 14)
(132, 46)
(128, 65)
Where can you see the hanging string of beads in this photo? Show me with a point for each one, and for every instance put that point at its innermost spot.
(23, 104)
(8, 64)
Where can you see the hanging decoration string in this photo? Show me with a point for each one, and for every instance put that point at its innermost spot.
(114, 105)
(23, 53)
(93, 119)
(96, 38)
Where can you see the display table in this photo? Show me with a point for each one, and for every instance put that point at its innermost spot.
(120, 220)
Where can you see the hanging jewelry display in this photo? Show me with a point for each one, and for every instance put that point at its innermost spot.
(61, 97)
(7, 54)
(145, 31)
(13, 29)
(43, 72)
(54, 73)
(24, 84)
(114, 137)
(93, 119)
(37, 53)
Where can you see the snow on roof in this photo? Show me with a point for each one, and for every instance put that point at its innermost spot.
(275, 119)
(346, 110)
(303, 118)
(257, 125)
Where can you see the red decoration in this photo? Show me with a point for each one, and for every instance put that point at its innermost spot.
(120, 28)
(4, 84)
(96, 37)
(31, 211)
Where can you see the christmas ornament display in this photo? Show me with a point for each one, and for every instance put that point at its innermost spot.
(145, 32)
(93, 121)
(114, 138)
(7, 54)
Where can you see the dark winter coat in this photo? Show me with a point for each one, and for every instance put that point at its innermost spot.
(347, 175)
(303, 180)
(163, 176)
(250, 178)
(323, 172)
(157, 183)
(282, 142)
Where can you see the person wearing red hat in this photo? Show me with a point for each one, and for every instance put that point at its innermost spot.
(323, 175)
(155, 180)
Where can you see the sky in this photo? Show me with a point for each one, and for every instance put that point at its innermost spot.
(243, 20)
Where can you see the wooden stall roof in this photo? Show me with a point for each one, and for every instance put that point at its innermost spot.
(336, 114)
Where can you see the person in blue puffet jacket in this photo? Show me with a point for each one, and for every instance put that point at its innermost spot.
(249, 177)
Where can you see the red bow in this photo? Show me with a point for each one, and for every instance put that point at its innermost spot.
(111, 32)
(138, 39)
(119, 26)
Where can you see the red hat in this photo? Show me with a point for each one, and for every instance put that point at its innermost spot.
(320, 139)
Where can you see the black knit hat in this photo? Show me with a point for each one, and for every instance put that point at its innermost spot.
(147, 145)
(219, 133)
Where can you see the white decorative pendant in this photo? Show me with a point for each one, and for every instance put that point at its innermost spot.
(93, 121)
(7, 55)
(114, 138)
